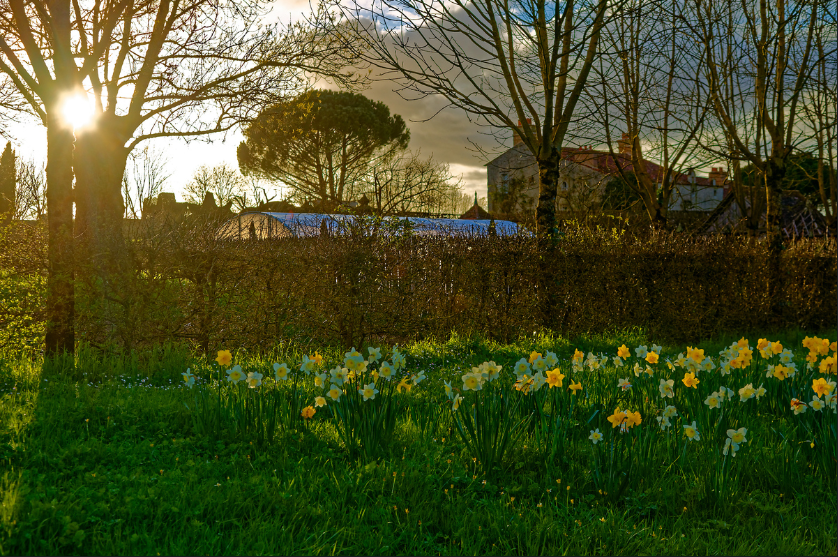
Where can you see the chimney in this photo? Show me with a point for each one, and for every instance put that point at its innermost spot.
(624, 145)
(516, 139)
(718, 176)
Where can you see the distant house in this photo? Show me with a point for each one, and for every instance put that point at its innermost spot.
(583, 175)
(799, 218)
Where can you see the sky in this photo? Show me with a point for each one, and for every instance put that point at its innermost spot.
(446, 136)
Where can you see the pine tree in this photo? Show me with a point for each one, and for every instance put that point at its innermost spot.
(8, 180)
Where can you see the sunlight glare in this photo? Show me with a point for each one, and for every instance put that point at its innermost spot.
(78, 110)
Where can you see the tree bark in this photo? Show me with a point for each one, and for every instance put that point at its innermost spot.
(60, 337)
(545, 218)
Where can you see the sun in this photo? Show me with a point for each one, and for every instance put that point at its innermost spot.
(77, 110)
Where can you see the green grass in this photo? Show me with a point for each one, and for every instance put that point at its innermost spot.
(105, 459)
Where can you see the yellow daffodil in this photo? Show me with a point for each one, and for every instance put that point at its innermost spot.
(578, 355)
(742, 342)
(623, 351)
(224, 358)
(308, 412)
(776, 347)
(554, 378)
(691, 431)
(575, 386)
(652, 358)
(319, 401)
(695, 354)
(821, 387)
(368, 391)
(404, 384)
(254, 379)
(827, 365)
(616, 418)
(235, 375)
(833, 346)
(690, 381)
(595, 436)
(781, 372)
(633, 418)
(763, 343)
(534, 356)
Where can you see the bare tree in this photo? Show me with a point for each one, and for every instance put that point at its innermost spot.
(31, 198)
(648, 93)
(406, 182)
(224, 182)
(502, 62)
(144, 177)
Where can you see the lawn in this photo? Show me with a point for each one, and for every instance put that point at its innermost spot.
(122, 455)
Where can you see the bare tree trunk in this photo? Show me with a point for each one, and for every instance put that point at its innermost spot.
(60, 337)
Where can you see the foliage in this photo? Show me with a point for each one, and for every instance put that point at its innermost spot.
(320, 142)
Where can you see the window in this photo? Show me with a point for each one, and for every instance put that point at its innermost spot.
(564, 186)
(504, 183)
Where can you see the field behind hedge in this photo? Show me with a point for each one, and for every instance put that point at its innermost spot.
(107, 457)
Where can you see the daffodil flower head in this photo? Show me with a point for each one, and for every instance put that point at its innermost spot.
(624, 384)
(189, 378)
(690, 380)
(254, 379)
(786, 357)
(713, 401)
(828, 365)
(522, 367)
(385, 370)
(747, 392)
(657, 349)
(398, 359)
(308, 412)
(578, 355)
(538, 381)
(595, 436)
(798, 406)
(339, 375)
(319, 401)
(652, 357)
(281, 372)
(623, 351)
(663, 422)
(707, 364)
(538, 365)
(637, 369)
(455, 404)
(730, 447)
(368, 391)
(760, 391)
(666, 388)
(640, 352)
(550, 359)
(534, 356)
(224, 358)
(632, 418)
(691, 431)
(616, 418)
(575, 387)
(334, 393)
(669, 412)
(404, 384)
(554, 378)
(375, 354)
(449, 390)
(308, 365)
(235, 374)
(472, 382)
(492, 370)
(618, 361)
(419, 377)
(320, 380)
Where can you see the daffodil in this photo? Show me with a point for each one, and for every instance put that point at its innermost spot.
(663, 422)
(781, 372)
(334, 393)
(690, 381)
(254, 379)
(550, 359)
(385, 371)
(522, 367)
(455, 405)
(618, 361)
(657, 349)
(633, 418)
(578, 355)
(695, 354)
(281, 372)
(575, 386)
(652, 357)
(449, 390)
(737, 435)
(554, 378)
(419, 377)
(641, 352)
(308, 412)
(339, 375)
(691, 431)
(595, 436)
(786, 357)
(472, 382)
(320, 380)
(681, 360)
(318, 359)
(492, 370)
(760, 391)
(354, 361)
(235, 374)
(816, 404)
(669, 412)
(747, 392)
(798, 406)
(538, 381)
(375, 354)
(398, 359)
(404, 384)
(368, 391)
(707, 364)
(538, 365)
(666, 388)
(319, 401)
(624, 384)
(308, 365)
(713, 401)
(623, 352)
(224, 358)
(616, 418)
(730, 447)
(827, 365)
(189, 378)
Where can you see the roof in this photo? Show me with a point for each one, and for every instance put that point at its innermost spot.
(284, 225)
(476, 213)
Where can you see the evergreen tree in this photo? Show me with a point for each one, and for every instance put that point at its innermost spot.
(8, 180)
